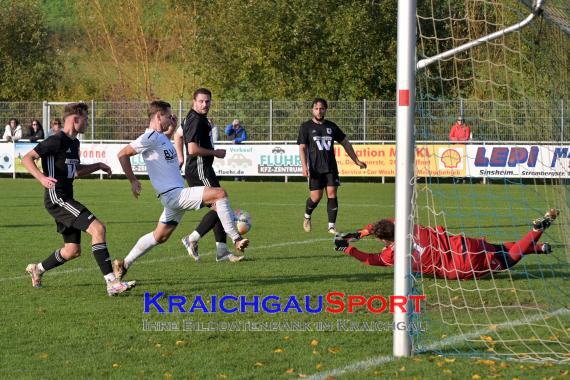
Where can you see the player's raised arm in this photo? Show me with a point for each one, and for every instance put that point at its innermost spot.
(350, 151)
(125, 160)
(29, 163)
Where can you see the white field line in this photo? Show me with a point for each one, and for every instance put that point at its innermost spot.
(451, 341)
(181, 257)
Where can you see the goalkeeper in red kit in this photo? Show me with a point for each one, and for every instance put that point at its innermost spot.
(436, 252)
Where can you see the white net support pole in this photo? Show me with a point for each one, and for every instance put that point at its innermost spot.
(405, 111)
(446, 54)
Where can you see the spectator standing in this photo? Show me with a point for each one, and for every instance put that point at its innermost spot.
(460, 131)
(55, 127)
(36, 131)
(236, 132)
(13, 131)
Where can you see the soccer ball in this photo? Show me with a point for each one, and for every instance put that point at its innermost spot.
(242, 220)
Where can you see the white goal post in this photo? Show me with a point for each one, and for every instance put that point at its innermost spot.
(405, 143)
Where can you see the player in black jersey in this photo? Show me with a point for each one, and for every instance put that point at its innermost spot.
(316, 149)
(60, 163)
(196, 135)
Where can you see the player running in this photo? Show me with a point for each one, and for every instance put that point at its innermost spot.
(436, 252)
(60, 164)
(162, 165)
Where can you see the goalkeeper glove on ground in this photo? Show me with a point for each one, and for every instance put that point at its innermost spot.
(340, 244)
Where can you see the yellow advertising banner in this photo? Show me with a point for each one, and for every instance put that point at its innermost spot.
(431, 160)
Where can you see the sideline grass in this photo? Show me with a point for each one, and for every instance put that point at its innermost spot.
(71, 329)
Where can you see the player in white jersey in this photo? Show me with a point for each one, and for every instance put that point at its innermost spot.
(162, 165)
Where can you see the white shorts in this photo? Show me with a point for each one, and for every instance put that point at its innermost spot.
(178, 201)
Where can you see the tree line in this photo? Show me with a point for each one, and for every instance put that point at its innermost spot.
(242, 50)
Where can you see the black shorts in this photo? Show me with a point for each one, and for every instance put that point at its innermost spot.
(71, 217)
(206, 177)
(318, 181)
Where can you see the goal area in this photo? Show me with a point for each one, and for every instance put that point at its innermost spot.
(512, 91)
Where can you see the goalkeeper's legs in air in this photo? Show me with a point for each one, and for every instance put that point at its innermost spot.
(512, 252)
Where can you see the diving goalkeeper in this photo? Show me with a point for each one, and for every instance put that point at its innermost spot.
(436, 252)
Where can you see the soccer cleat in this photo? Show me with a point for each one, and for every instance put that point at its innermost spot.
(192, 247)
(116, 287)
(228, 256)
(119, 268)
(307, 224)
(332, 230)
(241, 244)
(546, 249)
(545, 221)
(34, 271)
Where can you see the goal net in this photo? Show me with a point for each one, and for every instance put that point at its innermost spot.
(513, 93)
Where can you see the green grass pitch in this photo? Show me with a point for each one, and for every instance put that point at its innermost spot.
(71, 329)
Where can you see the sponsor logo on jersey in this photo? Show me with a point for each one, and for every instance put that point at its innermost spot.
(169, 154)
(323, 142)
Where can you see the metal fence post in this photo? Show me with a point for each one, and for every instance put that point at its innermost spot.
(270, 120)
(45, 115)
(92, 119)
(561, 120)
(179, 111)
(364, 119)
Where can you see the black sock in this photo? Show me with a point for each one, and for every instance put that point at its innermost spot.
(219, 232)
(332, 209)
(311, 206)
(208, 222)
(54, 260)
(101, 255)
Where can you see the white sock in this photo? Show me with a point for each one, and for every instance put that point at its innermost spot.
(307, 216)
(109, 277)
(145, 244)
(41, 268)
(221, 247)
(226, 215)
(194, 236)
(331, 225)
